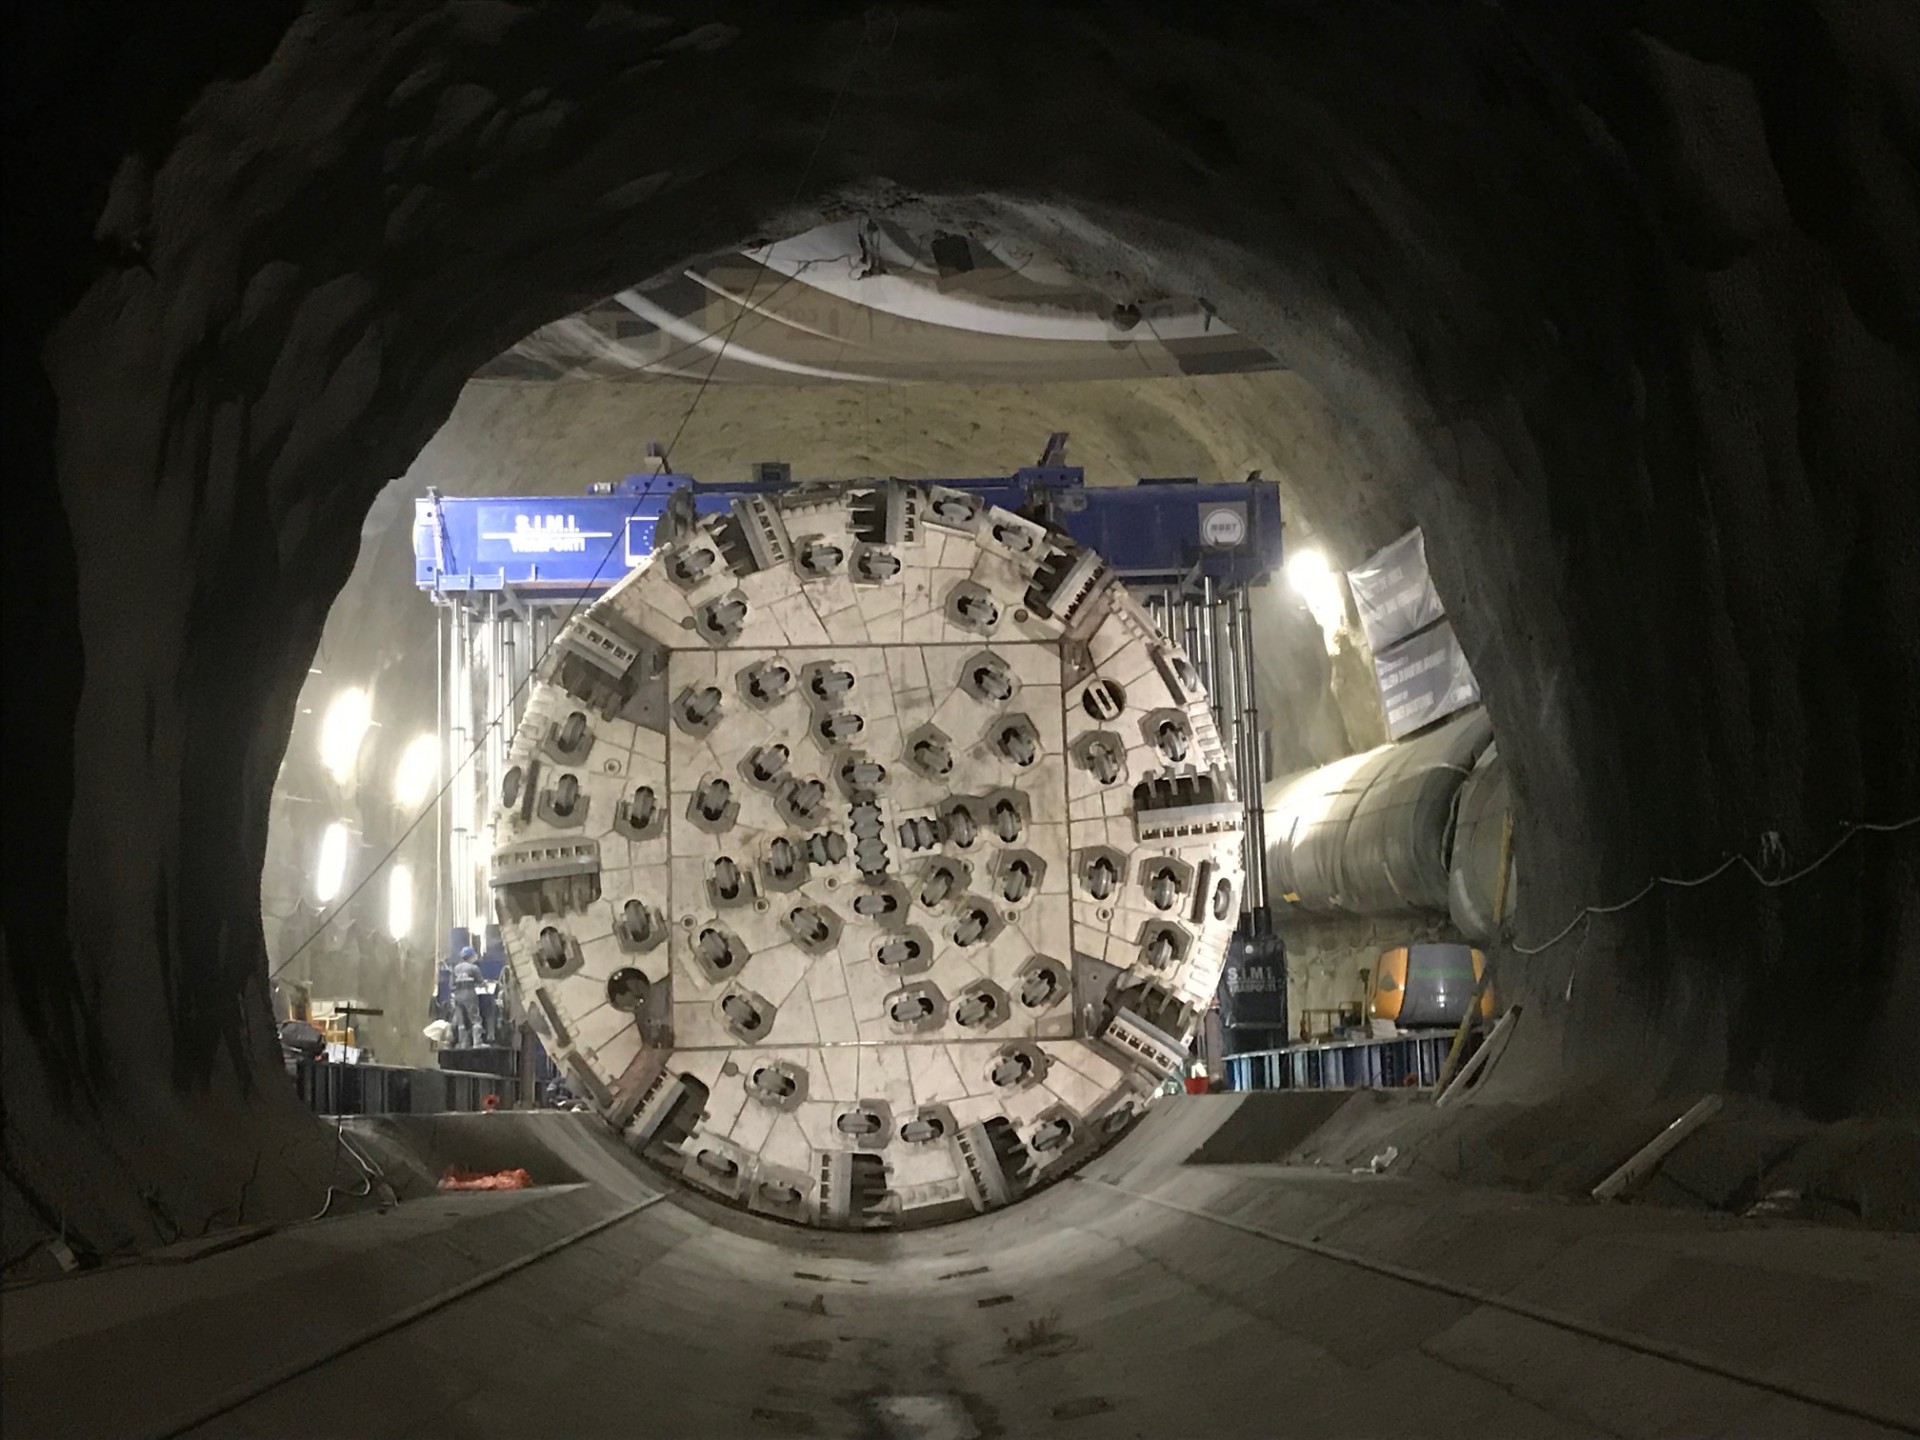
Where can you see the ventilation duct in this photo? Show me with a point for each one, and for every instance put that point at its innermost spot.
(1479, 837)
(1373, 834)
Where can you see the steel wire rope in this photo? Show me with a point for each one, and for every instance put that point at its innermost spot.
(1849, 829)
(746, 308)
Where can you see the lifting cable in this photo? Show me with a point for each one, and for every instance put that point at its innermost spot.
(1770, 844)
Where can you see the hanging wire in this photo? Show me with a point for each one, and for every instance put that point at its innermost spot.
(1770, 843)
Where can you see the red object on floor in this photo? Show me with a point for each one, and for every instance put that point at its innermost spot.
(458, 1179)
(1196, 1084)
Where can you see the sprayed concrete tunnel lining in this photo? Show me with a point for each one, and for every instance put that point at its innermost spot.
(1623, 317)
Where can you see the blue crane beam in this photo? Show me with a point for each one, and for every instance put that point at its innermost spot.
(1155, 531)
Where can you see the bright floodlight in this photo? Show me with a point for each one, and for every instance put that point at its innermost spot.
(341, 732)
(1315, 582)
(1308, 571)
(332, 871)
(400, 902)
(419, 767)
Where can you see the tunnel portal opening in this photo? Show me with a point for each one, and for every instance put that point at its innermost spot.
(1541, 373)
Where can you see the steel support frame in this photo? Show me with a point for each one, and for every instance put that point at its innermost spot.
(1215, 628)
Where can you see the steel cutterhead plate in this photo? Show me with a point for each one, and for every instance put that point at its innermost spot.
(866, 855)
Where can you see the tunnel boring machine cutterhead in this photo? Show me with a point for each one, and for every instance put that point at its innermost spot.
(868, 852)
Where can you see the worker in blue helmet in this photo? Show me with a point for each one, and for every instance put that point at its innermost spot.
(465, 983)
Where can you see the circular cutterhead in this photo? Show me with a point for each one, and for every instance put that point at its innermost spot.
(867, 856)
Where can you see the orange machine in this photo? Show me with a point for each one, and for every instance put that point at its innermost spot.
(1428, 986)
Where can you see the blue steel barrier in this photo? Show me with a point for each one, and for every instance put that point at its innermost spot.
(1343, 1064)
(330, 1088)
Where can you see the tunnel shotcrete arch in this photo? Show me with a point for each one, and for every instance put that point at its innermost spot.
(1570, 378)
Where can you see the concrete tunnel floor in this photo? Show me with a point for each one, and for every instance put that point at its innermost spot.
(1147, 1295)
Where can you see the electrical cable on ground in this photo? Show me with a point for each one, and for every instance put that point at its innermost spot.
(366, 1184)
(1848, 831)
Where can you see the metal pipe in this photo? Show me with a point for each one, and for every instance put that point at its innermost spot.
(489, 657)
(1203, 662)
(440, 800)
(1190, 636)
(510, 649)
(543, 642)
(1220, 617)
(1644, 1161)
(1482, 1058)
(534, 649)
(1252, 769)
(499, 693)
(1213, 637)
(1256, 755)
(1467, 1021)
(1212, 669)
(469, 767)
(1243, 776)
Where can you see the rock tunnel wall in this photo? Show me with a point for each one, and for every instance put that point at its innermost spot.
(1624, 317)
